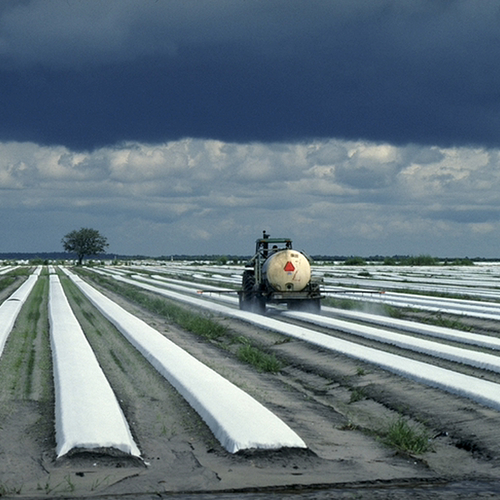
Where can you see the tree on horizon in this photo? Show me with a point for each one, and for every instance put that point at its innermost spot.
(85, 242)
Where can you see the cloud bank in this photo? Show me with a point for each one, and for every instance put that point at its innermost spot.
(196, 196)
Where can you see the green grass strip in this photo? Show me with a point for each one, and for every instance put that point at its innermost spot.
(407, 438)
(201, 324)
(262, 361)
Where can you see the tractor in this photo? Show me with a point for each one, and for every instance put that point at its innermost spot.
(277, 274)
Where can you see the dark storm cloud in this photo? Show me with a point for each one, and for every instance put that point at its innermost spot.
(86, 74)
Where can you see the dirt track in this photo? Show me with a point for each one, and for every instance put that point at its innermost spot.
(313, 394)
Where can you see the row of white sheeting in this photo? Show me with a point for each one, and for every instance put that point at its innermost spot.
(469, 357)
(482, 391)
(472, 358)
(88, 415)
(441, 332)
(475, 309)
(451, 334)
(7, 269)
(236, 419)
(10, 308)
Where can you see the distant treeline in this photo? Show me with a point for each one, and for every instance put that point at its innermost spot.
(410, 260)
(395, 260)
(49, 256)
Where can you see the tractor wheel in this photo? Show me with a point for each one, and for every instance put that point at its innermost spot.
(249, 299)
(248, 283)
(247, 293)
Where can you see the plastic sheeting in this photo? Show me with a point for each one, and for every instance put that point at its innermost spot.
(10, 308)
(479, 390)
(88, 415)
(469, 357)
(236, 419)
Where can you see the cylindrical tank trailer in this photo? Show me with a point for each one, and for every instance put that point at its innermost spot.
(278, 274)
(287, 270)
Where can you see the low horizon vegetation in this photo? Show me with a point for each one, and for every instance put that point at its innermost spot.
(46, 258)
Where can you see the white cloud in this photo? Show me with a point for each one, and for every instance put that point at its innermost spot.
(195, 196)
(379, 153)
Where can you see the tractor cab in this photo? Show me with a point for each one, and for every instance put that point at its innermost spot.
(266, 246)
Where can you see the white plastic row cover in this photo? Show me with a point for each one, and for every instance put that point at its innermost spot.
(237, 420)
(88, 415)
(482, 391)
(10, 308)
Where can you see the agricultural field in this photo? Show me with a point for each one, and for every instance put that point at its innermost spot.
(393, 391)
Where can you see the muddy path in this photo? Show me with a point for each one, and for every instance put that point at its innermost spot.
(340, 407)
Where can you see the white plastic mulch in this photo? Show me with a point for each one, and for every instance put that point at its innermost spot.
(461, 307)
(7, 269)
(479, 390)
(88, 415)
(237, 420)
(10, 308)
(441, 332)
(461, 355)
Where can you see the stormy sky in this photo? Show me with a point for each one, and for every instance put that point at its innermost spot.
(189, 126)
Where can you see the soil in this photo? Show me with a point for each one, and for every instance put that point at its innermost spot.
(339, 406)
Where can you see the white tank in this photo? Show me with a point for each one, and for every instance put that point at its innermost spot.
(287, 270)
